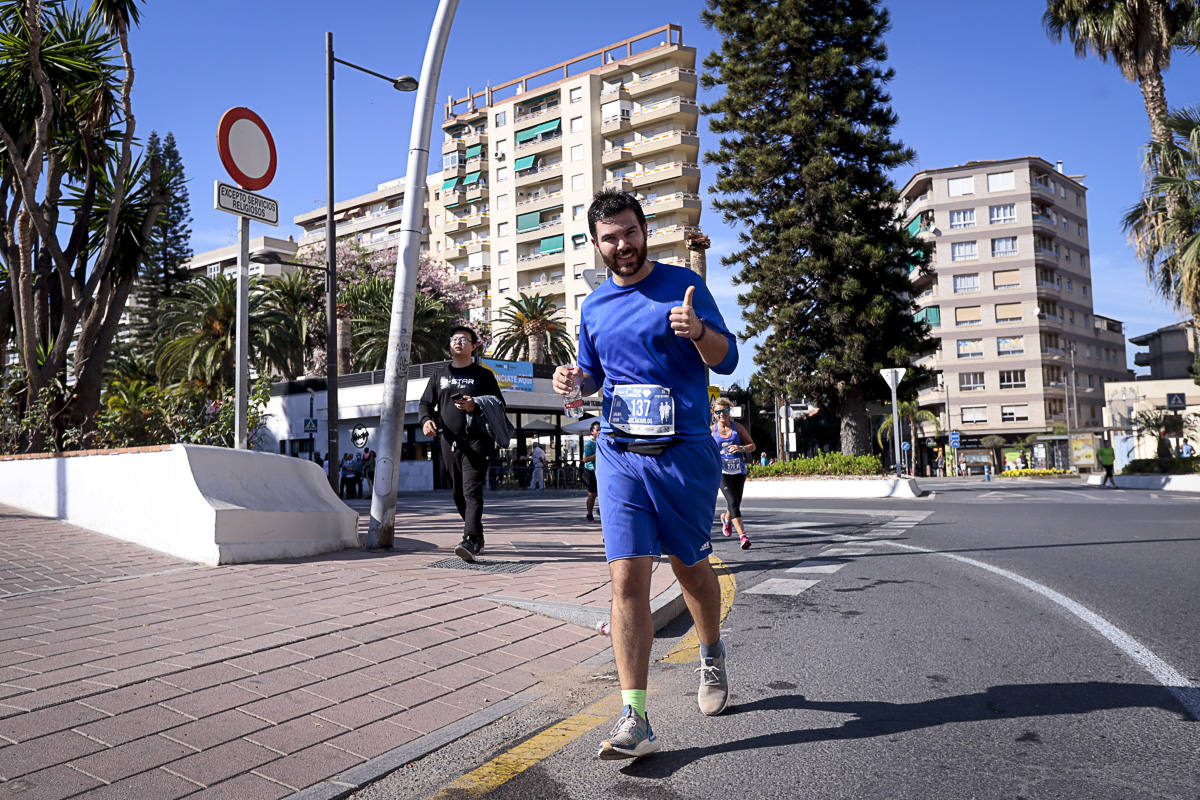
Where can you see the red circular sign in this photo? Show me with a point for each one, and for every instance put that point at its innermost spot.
(247, 149)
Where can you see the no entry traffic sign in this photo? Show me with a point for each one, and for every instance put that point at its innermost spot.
(247, 148)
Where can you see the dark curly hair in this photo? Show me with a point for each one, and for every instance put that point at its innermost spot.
(608, 203)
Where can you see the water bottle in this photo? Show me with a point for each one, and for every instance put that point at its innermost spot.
(573, 400)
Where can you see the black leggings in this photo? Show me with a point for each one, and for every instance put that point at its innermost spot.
(731, 487)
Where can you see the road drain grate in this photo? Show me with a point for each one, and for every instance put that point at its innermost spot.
(484, 565)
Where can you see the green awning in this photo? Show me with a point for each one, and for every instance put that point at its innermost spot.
(552, 244)
(474, 150)
(527, 222)
(549, 127)
(449, 183)
(452, 205)
(579, 237)
(533, 101)
(472, 178)
(930, 314)
(914, 227)
(527, 134)
(524, 162)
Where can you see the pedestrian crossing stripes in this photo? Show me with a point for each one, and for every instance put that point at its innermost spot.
(832, 559)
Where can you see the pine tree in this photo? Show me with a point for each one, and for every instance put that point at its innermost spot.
(168, 248)
(802, 166)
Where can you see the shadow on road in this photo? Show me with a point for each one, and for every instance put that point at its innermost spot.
(876, 718)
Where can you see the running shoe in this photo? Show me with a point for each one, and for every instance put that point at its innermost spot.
(590, 518)
(630, 738)
(745, 542)
(726, 525)
(714, 686)
(467, 550)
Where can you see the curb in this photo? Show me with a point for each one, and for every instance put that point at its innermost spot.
(833, 488)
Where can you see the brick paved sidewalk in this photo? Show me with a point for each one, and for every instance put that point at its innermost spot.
(125, 673)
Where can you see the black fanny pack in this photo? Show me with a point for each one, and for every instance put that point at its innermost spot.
(655, 448)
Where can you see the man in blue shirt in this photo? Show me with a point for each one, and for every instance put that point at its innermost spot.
(647, 337)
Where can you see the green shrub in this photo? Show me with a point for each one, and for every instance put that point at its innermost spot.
(1162, 466)
(823, 464)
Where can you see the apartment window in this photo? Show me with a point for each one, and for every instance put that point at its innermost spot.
(580, 240)
(1017, 413)
(931, 315)
(437, 247)
(957, 187)
(1004, 246)
(1008, 312)
(1062, 191)
(450, 161)
(974, 415)
(1083, 288)
(1012, 379)
(502, 257)
(1006, 279)
(576, 95)
(964, 251)
(502, 283)
(1066, 224)
(501, 174)
(970, 382)
(1071, 317)
(214, 270)
(968, 315)
(1010, 345)
(966, 283)
(577, 152)
(1001, 181)
(962, 218)
(502, 229)
(998, 215)
(501, 118)
(577, 182)
(970, 348)
(577, 212)
(576, 124)
(501, 202)
(1080, 231)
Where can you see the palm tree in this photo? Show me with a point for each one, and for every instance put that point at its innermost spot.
(535, 330)
(912, 413)
(1166, 234)
(198, 327)
(296, 295)
(370, 303)
(1138, 35)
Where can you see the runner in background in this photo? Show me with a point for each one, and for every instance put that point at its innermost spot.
(589, 469)
(734, 441)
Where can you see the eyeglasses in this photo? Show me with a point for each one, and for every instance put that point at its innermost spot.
(720, 410)
(460, 340)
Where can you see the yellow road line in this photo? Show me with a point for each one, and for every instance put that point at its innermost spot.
(508, 765)
(688, 647)
(512, 763)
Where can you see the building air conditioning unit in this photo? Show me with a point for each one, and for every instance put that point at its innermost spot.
(500, 156)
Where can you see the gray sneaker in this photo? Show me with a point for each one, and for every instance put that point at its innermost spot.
(630, 738)
(714, 686)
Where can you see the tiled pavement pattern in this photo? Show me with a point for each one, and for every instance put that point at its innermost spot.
(258, 680)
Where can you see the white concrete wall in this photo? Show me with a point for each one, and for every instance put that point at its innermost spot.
(1165, 483)
(839, 488)
(207, 504)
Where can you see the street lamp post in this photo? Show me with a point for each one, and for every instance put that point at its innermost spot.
(405, 83)
(381, 529)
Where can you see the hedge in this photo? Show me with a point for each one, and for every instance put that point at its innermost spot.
(823, 464)
(1162, 466)
(1034, 473)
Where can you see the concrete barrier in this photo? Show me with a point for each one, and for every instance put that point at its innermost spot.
(212, 505)
(1165, 483)
(833, 488)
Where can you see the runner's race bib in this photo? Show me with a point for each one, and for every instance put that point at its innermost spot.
(642, 409)
(732, 463)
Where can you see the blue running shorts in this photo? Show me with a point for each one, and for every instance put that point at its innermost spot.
(653, 505)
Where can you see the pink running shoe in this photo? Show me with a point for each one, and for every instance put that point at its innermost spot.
(726, 525)
(745, 542)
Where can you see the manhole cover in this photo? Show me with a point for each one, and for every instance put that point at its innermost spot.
(484, 565)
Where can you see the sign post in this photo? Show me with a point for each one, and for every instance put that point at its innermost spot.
(893, 378)
(248, 152)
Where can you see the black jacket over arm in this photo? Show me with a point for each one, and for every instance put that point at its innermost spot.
(473, 380)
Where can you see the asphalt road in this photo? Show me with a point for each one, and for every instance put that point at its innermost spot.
(996, 640)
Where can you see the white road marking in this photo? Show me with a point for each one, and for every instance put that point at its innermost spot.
(843, 551)
(818, 565)
(1184, 691)
(781, 586)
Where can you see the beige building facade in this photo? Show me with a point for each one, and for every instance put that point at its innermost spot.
(223, 260)
(1170, 351)
(1008, 298)
(522, 159)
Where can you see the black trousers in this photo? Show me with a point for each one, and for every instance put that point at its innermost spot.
(466, 462)
(731, 487)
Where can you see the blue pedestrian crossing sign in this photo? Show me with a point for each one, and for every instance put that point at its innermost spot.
(1176, 401)
(955, 439)
(310, 425)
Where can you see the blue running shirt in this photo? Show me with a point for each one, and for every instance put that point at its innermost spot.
(625, 338)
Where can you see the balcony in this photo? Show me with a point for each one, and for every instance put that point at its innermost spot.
(454, 224)
(474, 221)
(613, 94)
(664, 142)
(543, 230)
(454, 196)
(480, 300)
(680, 109)
(616, 123)
(452, 146)
(679, 201)
(679, 77)
(621, 184)
(476, 191)
(615, 155)
(1044, 254)
(664, 172)
(477, 273)
(478, 246)
(533, 200)
(540, 145)
(671, 234)
(533, 116)
(539, 174)
(1044, 220)
(549, 288)
(537, 259)
(1042, 188)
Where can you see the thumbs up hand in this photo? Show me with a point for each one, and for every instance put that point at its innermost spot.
(684, 320)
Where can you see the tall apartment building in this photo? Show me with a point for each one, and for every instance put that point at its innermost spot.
(1009, 297)
(522, 159)
(373, 219)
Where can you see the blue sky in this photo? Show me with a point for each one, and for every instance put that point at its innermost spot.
(973, 81)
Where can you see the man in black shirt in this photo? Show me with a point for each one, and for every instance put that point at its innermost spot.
(449, 408)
